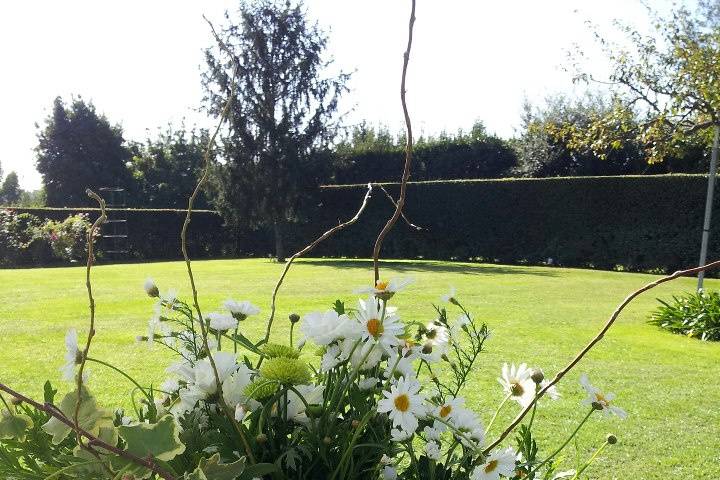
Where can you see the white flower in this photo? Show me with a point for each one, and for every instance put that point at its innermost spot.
(312, 394)
(73, 356)
(170, 385)
(331, 358)
(434, 432)
(498, 463)
(449, 296)
(326, 328)
(458, 325)
(221, 322)
(150, 288)
(234, 386)
(599, 400)
(465, 421)
(403, 404)
(517, 383)
(436, 333)
(399, 367)
(450, 408)
(551, 392)
(170, 296)
(241, 310)
(399, 435)
(368, 383)
(240, 412)
(201, 381)
(366, 350)
(385, 460)
(389, 473)
(385, 290)
(375, 327)
(432, 450)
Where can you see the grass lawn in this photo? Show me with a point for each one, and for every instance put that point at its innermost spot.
(542, 316)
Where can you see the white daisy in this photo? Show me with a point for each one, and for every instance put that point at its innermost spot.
(221, 322)
(389, 473)
(458, 326)
(385, 290)
(331, 358)
(599, 400)
(326, 328)
(399, 367)
(366, 350)
(399, 435)
(376, 328)
(233, 386)
(432, 450)
(170, 296)
(517, 383)
(241, 310)
(368, 383)
(312, 394)
(73, 355)
(499, 462)
(150, 288)
(436, 333)
(202, 383)
(450, 408)
(435, 432)
(551, 392)
(467, 423)
(403, 404)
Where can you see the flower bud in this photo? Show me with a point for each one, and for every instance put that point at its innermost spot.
(537, 376)
(611, 439)
(327, 440)
(262, 438)
(151, 289)
(597, 406)
(355, 423)
(128, 476)
(294, 318)
(314, 410)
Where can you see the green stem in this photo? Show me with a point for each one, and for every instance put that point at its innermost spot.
(10, 410)
(560, 449)
(589, 462)
(132, 380)
(492, 420)
(354, 438)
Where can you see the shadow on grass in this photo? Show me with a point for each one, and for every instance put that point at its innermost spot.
(408, 266)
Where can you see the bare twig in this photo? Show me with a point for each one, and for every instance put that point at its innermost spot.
(183, 237)
(408, 153)
(55, 412)
(402, 214)
(595, 340)
(88, 284)
(305, 250)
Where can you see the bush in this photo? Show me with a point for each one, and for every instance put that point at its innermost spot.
(694, 314)
(68, 238)
(19, 241)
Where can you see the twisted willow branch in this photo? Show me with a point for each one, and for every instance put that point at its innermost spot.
(595, 340)
(91, 332)
(408, 152)
(305, 250)
(55, 412)
(392, 200)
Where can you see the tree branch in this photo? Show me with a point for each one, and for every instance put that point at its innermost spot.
(595, 340)
(408, 152)
(402, 214)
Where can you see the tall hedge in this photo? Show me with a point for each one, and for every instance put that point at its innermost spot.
(637, 223)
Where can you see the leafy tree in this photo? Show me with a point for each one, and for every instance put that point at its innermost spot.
(166, 169)
(283, 113)
(673, 76)
(10, 191)
(79, 148)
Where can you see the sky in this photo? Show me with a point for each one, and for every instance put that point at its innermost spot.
(139, 61)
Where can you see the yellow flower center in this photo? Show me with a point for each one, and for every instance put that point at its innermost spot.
(381, 285)
(491, 466)
(402, 402)
(445, 411)
(600, 398)
(375, 327)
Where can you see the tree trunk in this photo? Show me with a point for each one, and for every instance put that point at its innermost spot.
(279, 247)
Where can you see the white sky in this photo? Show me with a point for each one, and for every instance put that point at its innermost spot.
(139, 60)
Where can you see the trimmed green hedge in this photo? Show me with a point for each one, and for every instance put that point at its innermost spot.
(636, 223)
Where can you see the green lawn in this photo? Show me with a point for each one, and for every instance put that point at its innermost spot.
(542, 316)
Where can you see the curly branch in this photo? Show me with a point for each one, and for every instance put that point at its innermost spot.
(402, 214)
(408, 152)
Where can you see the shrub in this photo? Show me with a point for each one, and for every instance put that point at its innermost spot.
(19, 241)
(694, 314)
(68, 238)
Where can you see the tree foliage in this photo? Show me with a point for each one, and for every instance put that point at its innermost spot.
(283, 112)
(79, 149)
(10, 192)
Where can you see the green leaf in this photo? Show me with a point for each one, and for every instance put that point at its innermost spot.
(213, 469)
(14, 426)
(160, 440)
(90, 417)
(258, 470)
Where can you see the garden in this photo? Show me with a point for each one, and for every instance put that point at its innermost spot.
(280, 327)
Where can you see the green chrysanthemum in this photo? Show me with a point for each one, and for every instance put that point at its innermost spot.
(274, 350)
(260, 389)
(288, 371)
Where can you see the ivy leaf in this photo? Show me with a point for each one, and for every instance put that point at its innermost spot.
(14, 426)
(258, 470)
(90, 417)
(160, 440)
(212, 468)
